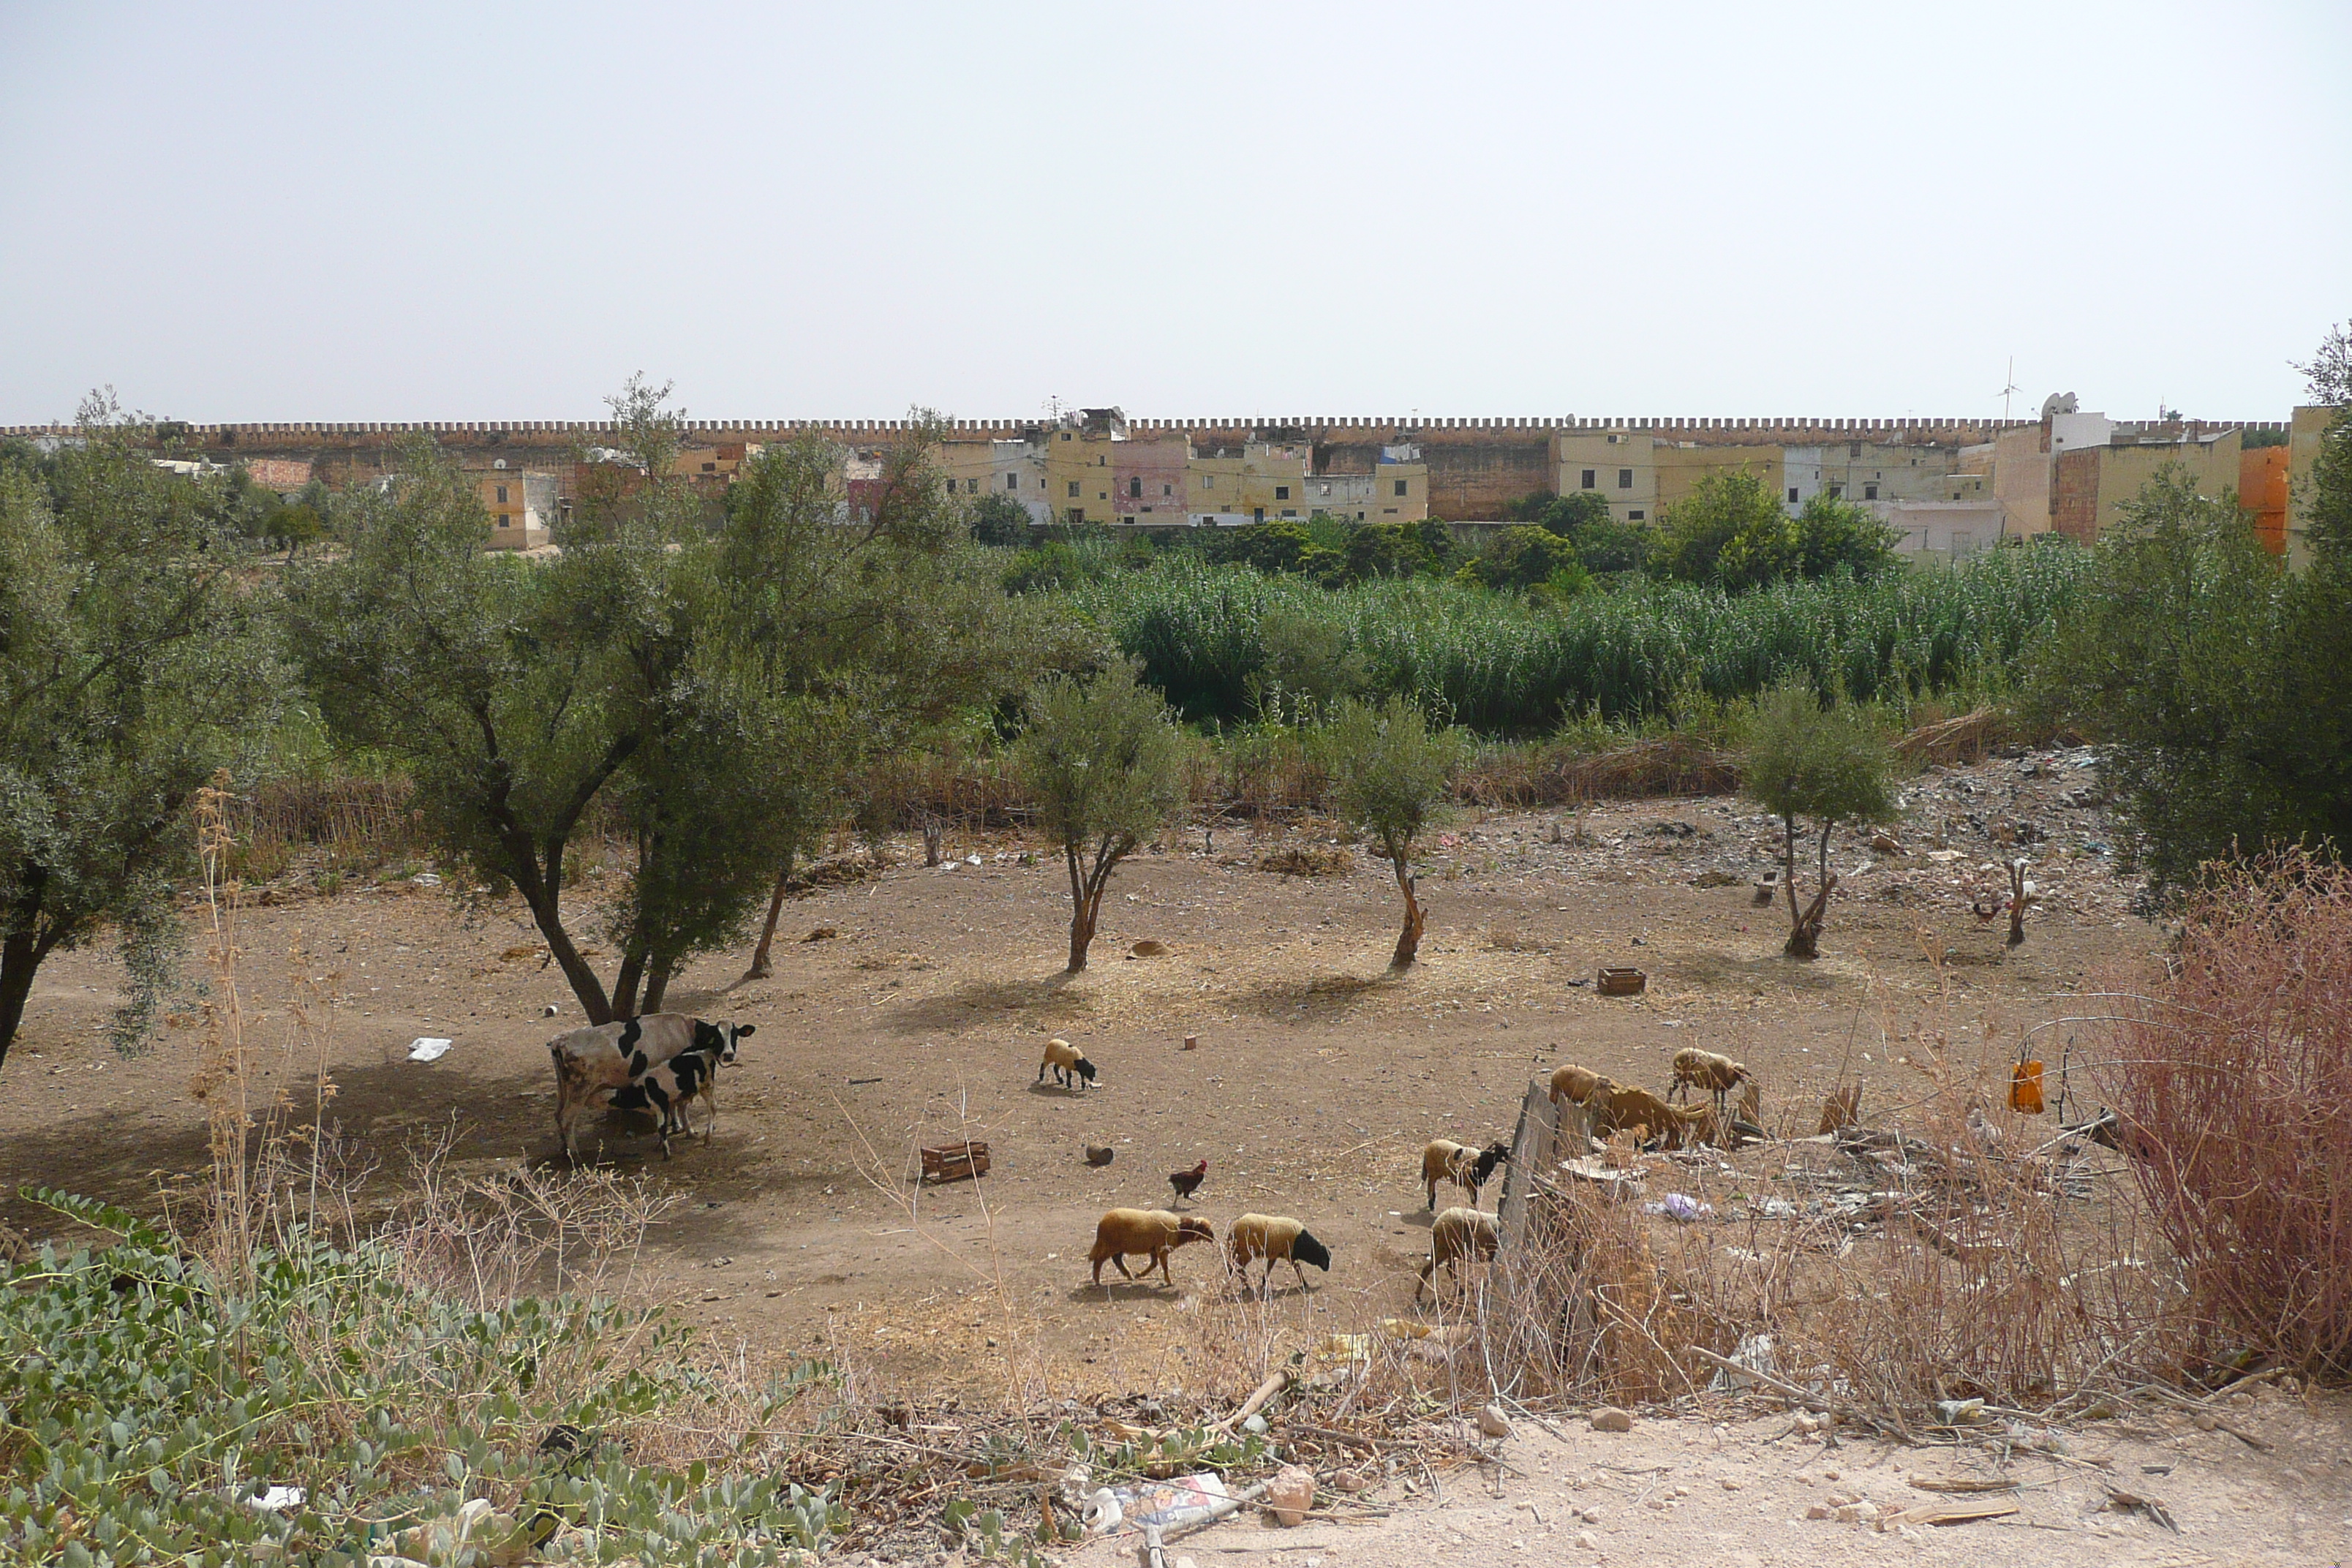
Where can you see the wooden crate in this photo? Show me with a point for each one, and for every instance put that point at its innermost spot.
(955, 1162)
(1622, 981)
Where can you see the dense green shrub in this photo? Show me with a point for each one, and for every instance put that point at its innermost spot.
(143, 1395)
(2218, 685)
(1503, 665)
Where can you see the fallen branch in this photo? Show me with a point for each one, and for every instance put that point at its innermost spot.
(1804, 1397)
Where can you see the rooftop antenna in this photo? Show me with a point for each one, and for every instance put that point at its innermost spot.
(2011, 389)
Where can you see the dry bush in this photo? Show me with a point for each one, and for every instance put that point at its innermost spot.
(1564, 775)
(1947, 1256)
(2233, 1077)
(1308, 860)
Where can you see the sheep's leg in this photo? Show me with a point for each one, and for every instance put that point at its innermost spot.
(1119, 1261)
(1295, 1270)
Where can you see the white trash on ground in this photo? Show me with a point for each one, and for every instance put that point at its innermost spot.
(427, 1049)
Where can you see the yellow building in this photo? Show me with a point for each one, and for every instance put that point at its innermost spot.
(1078, 478)
(1617, 464)
(1681, 464)
(2095, 481)
(2304, 435)
(521, 505)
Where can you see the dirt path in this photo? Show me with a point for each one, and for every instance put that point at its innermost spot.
(1736, 1495)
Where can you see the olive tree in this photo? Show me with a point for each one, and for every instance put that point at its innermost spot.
(680, 675)
(132, 666)
(1105, 763)
(1803, 759)
(1391, 774)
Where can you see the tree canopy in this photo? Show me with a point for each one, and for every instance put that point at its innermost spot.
(1391, 772)
(1104, 763)
(696, 679)
(1807, 759)
(133, 665)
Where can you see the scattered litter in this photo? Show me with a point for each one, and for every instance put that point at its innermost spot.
(1755, 1353)
(1679, 1206)
(426, 879)
(275, 1498)
(1170, 1504)
(1959, 1411)
(427, 1049)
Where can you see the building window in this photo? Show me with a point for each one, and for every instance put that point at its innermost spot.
(1624, 478)
(1282, 492)
(709, 467)
(1074, 489)
(1134, 489)
(1854, 450)
(1208, 481)
(1167, 489)
(1870, 492)
(1078, 514)
(1837, 493)
(1065, 434)
(1589, 475)
(1634, 516)
(1258, 514)
(502, 495)
(1327, 489)
(1288, 511)
(1400, 486)
(1013, 481)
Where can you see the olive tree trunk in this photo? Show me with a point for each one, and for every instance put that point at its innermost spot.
(1415, 918)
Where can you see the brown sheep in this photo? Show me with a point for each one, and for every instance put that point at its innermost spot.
(1150, 1233)
(1716, 1075)
(1444, 1160)
(1458, 1233)
(1274, 1237)
(1574, 1083)
(1639, 1109)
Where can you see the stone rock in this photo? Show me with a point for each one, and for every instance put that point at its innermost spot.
(1731, 1483)
(1818, 1510)
(1491, 1421)
(1609, 1419)
(1290, 1494)
(1352, 1481)
(1585, 1542)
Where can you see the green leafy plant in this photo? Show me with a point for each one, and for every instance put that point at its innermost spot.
(1391, 772)
(1104, 763)
(1805, 759)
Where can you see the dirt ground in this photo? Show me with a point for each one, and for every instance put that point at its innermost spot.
(1737, 1490)
(1315, 1079)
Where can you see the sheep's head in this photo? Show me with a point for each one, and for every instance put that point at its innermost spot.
(1492, 1155)
(1193, 1228)
(1084, 1069)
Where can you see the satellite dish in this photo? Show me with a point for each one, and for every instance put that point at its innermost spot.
(2059, 403)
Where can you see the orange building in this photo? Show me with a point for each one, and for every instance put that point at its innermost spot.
(2262, 491)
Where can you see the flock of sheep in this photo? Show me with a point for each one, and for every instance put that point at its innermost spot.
(1460, 1234)
(667, 1062)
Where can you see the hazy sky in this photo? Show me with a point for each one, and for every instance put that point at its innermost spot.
(426, 212)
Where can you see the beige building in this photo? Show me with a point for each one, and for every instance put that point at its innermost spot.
(1617, 464)
(521, 504)
(2091, 483)
(2310, 426)
(1867, 472)
(1681, 464)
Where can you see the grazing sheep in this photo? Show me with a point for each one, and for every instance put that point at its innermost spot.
(1574, 1083)
(1442, 1160)
(1068, 1063)
(1651, 1117)
(1150, 1233)
(1274, 1237)
(1458, 1233)
(670, 1088)
(1716, 1075)
(593, 1064)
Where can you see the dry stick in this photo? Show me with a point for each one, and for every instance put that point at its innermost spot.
(1795, 1394)
(1276, 1381)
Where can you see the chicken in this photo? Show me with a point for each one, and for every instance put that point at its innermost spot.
(1187, 1182)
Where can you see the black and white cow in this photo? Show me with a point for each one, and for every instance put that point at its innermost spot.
(593, 1064)
(669, 1087)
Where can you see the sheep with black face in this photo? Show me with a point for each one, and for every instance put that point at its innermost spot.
(1071, 1068)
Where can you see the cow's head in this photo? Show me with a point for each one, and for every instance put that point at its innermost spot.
(719, 1040)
